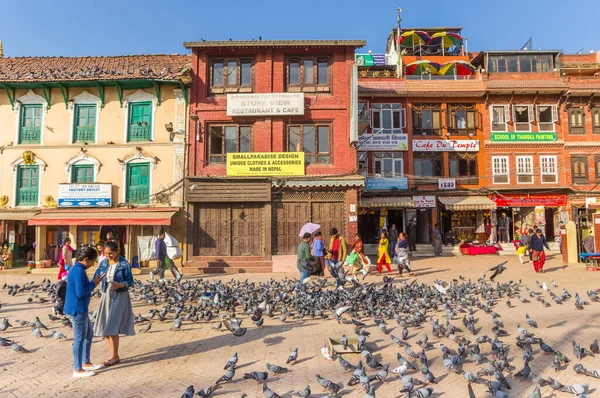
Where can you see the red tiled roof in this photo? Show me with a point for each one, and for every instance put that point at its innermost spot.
(70, 69)
(388, 86)
(392, 86)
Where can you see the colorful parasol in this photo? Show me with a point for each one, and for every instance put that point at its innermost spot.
(445, 39)
(456, 68)
(419, 67)
(414, 38)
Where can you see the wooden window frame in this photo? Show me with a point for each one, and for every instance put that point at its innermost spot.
(452, 121)
(470, 158)
(394, 157)
(128, 182)
(543, 168)
(435, 157)
(506, 118)
(524, 169)
(417, 115)
(225, 87)
(315, 86)
(577, 129)
(317, 154)
(212, 157)
(393, 109)
(554, 118)
(86, 166)
(76, 110)
(530, 116)
(18, 184)
(597, 166)
(130, 122)
(496, 168)
(23, 118)
(576, 179)
(595, 115)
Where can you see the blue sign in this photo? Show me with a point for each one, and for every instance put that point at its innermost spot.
(376, 183)
(84, 195)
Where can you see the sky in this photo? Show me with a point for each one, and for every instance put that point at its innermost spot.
(110, 27)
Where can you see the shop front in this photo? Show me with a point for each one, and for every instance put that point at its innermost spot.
(16, 234)
(466, 219)
(521, 212)
(379, 212)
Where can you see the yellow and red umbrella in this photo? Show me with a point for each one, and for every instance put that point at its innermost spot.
(445, 39)
(413, 38)
(456, 68)
(419, 67)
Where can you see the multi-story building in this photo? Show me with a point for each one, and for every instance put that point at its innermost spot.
(421, 147)
(90, 145)
(271, 148)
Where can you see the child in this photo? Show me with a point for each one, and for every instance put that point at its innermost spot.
(31, 259)
(521, 252)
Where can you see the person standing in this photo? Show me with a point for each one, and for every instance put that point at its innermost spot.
(393, 238)
(65, 260)
(100, 251)
(502, 220)
(412, 235)
(7, 256)
(358, 247)
(437, 241)
(537, 244)
(115, 315)
(525, 239)
(79, 291)
(319, 253)
(304, 256)
(401, 254)
(336, 251)
(383, 253)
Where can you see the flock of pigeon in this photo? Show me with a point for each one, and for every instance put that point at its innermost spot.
(432, 312)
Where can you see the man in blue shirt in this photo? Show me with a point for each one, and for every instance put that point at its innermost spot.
(161, 258)
(77, 302)
(319, 252)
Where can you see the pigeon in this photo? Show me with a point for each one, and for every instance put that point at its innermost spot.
(227, 377)
(501, 379)
(39, 324)
(470, 377)
(576, 389)
(328, 385)
(370, 393)
(268, 393)
(293, 357)
(207, 391)
(498, 269)
(189, 392)
(345, 364)
(177, 324)
(276, 369)
(58, 335)
(344, 341)
(17, 348)
(530, 321)
(37, 332)
(304, 393)
(545, 347)
(325, 352)
(578, 351)
(525, 372)
(594, 349)
(535, 393)
(258, 376)
(232, 361)
(146, 328)
(4, 325)
(424, 392)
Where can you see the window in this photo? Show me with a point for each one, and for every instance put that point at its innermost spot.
(524, 170)
(389, 117)
(82, 173)
(462, 119)
(85, 123)
(596, 120)
(499, 116)
(313, 140)
(226, 139)
(548, 168)
(463, 166)
(579, 170)
(427, 119)
(597, 166)
(231, 75)
(388, 164)
(521, 63)
(30, 130)
(576, 121)
(547, 116)
(27, 185)
(522, 117)
(308, 74)
(428, 164)
(361, 163)
(140, 121)
(500, 170)
(138, 183)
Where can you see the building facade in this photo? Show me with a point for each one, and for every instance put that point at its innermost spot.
(91, 145)
(285, 104)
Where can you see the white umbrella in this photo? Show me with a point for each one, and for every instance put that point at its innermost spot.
(310, 228)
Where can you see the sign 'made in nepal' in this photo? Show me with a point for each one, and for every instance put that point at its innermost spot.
(84, 195)
(523, 136)
(265, 164)
(265, 104)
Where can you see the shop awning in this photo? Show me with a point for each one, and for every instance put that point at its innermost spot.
(105, 217)
(386, 201)
(457, 203)
(14, 215)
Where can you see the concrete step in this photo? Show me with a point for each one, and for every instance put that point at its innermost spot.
(205, 265)
(190, 270)
(230, 263)
(228, 258)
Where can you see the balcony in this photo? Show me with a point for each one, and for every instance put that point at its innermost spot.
(30, 135)
(27, 197)
(85, 134)
(139, 195)
(139, 132)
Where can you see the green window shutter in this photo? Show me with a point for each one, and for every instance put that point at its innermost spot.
(85, 123)
(138, 183)
(140, 121)
(30, 130)
(82, 174)
(27, 185)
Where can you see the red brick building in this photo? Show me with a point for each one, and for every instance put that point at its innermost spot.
(235, 108)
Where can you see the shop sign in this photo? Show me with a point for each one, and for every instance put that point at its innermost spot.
(265, 104)
(376, 183)
(84, 195)
(445, 145)
(523, 136)
(383, 142)
(512, 200)
(370, 59)
(353, 218)
(11, 237)
(447, 183)
(265, 164)
(424, 201)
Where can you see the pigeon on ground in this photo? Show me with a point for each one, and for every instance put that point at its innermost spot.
(208, 391)
(258, 376)
(58, 335)
(594, 348)
(227, 377)
(293, 357)
(268, 393)
(39, 324)
(275, 369)
(576, 389)
(232, 361)
(304, 393)
(535, 393)
(4, 325)
(344, 341)
(17, 348)
(146, 328)
(498, 269)
(177, 324)
(189, 392)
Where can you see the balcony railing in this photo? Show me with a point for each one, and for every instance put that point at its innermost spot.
(27, 197)
(139, 132)
(85, 134)
(30, 135)
(138, 195)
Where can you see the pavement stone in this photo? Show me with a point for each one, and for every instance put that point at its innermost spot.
(162, 363)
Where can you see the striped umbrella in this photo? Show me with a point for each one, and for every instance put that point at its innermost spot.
(413, 38)
(456, 68)
(419, 67)
(445, 39)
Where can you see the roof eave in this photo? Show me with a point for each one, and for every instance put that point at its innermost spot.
(276, 43)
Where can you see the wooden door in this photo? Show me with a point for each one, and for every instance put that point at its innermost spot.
(214, 229)
(246, 229)
(288, 217)
(329, 215)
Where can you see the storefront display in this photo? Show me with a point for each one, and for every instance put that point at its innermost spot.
(464, 225)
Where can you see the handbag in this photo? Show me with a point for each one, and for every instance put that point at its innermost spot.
(308, 264)
(536, 255)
